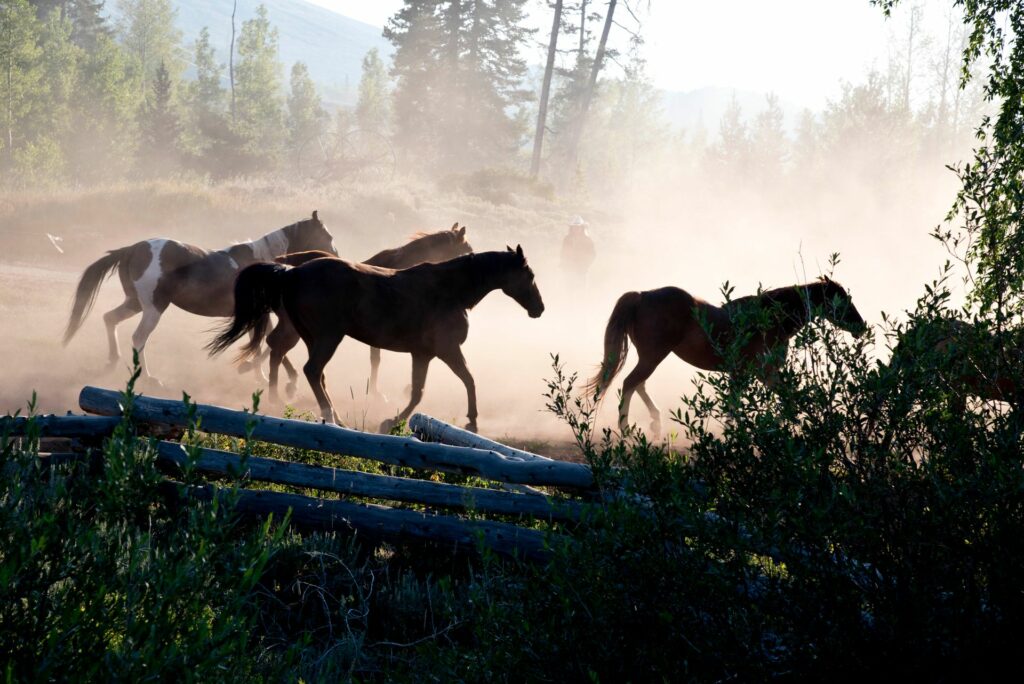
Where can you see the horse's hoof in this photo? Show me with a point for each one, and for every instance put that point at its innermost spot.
(289, 389)
(471, 426)
(387, 426)
(656, 431)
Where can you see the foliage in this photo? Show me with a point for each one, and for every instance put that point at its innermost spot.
(459, 71)
(373, 109)
(259, 112)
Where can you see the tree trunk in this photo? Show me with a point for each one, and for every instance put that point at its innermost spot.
(588, 93)
(231, 59)
(542, 112)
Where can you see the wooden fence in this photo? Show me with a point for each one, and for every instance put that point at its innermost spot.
(517, 472)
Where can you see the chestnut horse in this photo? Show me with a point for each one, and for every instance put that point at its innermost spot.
(422, 311)
(422, 248)
(159, 272)
(671, 320)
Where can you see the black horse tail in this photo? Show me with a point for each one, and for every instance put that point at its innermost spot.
(89, 288)
(257, 293)
(616, 344)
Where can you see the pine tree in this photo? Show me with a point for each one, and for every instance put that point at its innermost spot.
(148, 34)
(730, 155)
(19, 73)
(372, 109)
(459, 76)
(159, 127)
(211, 145)
(259, 115)
(769, 144)
(306, 115)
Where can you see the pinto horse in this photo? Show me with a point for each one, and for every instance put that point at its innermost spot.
(671, 320)
(159, 272)
(422, 311)
(422, 248)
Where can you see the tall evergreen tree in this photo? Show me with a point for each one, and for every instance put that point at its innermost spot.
(87, 18)
(211, 144)
(259, 112)
(159, 127)
(19, 73)
(459, 74)
(147, 31)
(306, 115)
(373, 108)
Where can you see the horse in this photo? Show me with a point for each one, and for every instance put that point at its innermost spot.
(423, 247)
(671, 320)
(966, 356)
(159, 272)
(422, 311)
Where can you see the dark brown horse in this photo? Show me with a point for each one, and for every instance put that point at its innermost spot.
(671, 320)
(159, 272)
(421, 311)
(966, 357)
(422, 248)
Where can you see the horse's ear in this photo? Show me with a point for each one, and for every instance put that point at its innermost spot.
(509, 248)
(315, 217)
(455, 226)
(462, 231)
(519, 251)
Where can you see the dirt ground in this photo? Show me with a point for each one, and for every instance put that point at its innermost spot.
(693, 242)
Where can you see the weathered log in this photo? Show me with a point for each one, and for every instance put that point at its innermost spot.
(383, 522)
(400, 451)
(375, 486)
(435, 430)
(60, 426)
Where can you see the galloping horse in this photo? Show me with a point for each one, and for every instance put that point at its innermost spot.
(159, 272)
(422, 311)
(422, 248)
(669, 320)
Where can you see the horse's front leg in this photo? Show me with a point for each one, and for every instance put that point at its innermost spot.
(420, 363)
(457, 362)
(320, 352)
(374, 369)
(280, 340)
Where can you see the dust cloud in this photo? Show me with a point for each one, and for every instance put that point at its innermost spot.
(664, 227)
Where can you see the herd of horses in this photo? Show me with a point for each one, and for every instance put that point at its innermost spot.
(415, 299)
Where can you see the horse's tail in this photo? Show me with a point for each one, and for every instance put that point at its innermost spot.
(299, 258)
(616, 344)
(257, 293)
(89, 288)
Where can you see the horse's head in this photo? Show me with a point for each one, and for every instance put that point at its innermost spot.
(310, 235)
(521, 285)
(454, 243)
(838, 307)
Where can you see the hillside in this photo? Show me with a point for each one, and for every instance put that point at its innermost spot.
(331, 45)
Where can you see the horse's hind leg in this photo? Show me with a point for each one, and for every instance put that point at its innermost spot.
(280, 340)
(374, 368)
(457, 362)
(150, 317)
(635, 380)
(320, 352)
(652, 408)
(420, 363)
(112, 318)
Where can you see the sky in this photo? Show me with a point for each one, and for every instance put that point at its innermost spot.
(801, 50)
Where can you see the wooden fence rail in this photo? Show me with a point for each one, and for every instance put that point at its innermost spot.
(374, 486)
(400, 451)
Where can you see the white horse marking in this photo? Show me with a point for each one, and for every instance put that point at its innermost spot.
(271, 245)
(145, 288)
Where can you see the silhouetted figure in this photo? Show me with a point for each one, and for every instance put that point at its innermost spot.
(578, 252)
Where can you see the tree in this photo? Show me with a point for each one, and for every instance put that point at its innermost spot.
(19, 56)
(159, 127)
(769, 144)
(549, 69)
(730, 155)
(147, 31)
(373, 109)
(306, 115)
(459, 74)
(259, 112)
